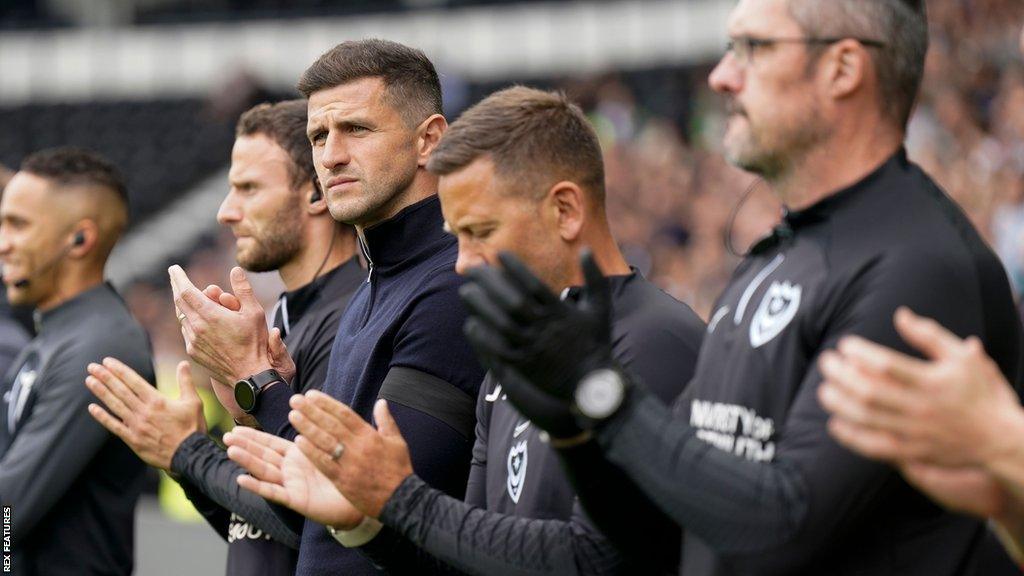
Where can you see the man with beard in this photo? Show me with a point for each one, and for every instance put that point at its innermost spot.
(521, 171)
(819, 92)
(374, 118)
(952, 425)
(280, 219)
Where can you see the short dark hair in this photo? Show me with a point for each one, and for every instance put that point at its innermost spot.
(409, 77)
(285, 124)
(532, 136)
(901, 24)
(70, 166)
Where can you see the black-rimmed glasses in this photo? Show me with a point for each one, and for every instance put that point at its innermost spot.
(743, 47)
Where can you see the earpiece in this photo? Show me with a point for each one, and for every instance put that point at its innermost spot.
(79, 238)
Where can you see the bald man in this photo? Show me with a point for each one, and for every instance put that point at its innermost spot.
(67, 487)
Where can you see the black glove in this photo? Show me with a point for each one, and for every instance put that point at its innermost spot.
(545, 411)
(537, 345)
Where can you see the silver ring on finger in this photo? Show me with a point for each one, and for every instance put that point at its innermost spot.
(336, 453)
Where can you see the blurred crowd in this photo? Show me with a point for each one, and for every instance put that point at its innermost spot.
(673, 199)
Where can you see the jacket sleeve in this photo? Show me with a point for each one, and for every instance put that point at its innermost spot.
(59, 438)
(208, 474)
(778, 515)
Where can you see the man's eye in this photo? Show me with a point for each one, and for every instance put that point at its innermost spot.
(356, 129)
(318, 137)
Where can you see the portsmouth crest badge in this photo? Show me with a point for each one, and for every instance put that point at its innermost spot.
(516, 470)
(777, 309)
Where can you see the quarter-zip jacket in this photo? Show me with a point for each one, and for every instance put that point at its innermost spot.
(71, 485)
(405, 320)
(745, 464)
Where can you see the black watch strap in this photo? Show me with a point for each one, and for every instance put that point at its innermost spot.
(265, 378)
(248, 391)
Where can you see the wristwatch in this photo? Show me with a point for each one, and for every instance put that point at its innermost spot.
(598, 395)
(247, 392)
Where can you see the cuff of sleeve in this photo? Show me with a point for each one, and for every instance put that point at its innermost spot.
(193, 443)
(607, 430)
(398, 510)
(272, 412)
(366, 530)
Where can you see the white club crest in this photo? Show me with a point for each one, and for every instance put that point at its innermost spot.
(516, 470)
(777, 309)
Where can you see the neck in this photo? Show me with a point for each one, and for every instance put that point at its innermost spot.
(606, 252)
(424, 185)
(69, 286)
(326, 248)
(847, 157)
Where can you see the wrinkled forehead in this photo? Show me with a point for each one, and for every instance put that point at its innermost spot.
(365, 97)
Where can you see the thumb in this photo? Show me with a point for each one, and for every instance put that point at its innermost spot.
(186, 387)
(386, 424)
(278, 349)
(242, 289)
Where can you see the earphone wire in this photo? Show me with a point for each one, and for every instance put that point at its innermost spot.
(727, 234)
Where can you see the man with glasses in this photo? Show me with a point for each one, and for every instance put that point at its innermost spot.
(819, 93)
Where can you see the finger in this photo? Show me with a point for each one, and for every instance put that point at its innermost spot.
(386, 424)
(187, 298)
(229, 301)
(255, 465)
(110, 400)
(324, 439)
(330, 408)
(926, 334)
(112, 391)
(278, 349)
(529, 399)
(867, 442)
(495, 284)
(243, 289)
(179, 280)
(879, 359)
(518, 273)
(598, 290)
(320, 458)
(490, 345)
(213, 292)
(847, 384)
(186, 386)
(483, 305)
(131, 379)
(257, 441)
(266, 490)
(115, 426)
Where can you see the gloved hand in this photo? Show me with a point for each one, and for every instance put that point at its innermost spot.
(538, 346)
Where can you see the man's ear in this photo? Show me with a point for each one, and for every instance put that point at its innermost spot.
(566, 199)
(428, 134)
(84, 238)
(847, 69)
(317, 203)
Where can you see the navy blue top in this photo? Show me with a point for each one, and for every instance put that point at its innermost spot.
(407, 315)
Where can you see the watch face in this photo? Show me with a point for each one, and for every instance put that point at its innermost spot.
(600, 394)
(245, 395)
